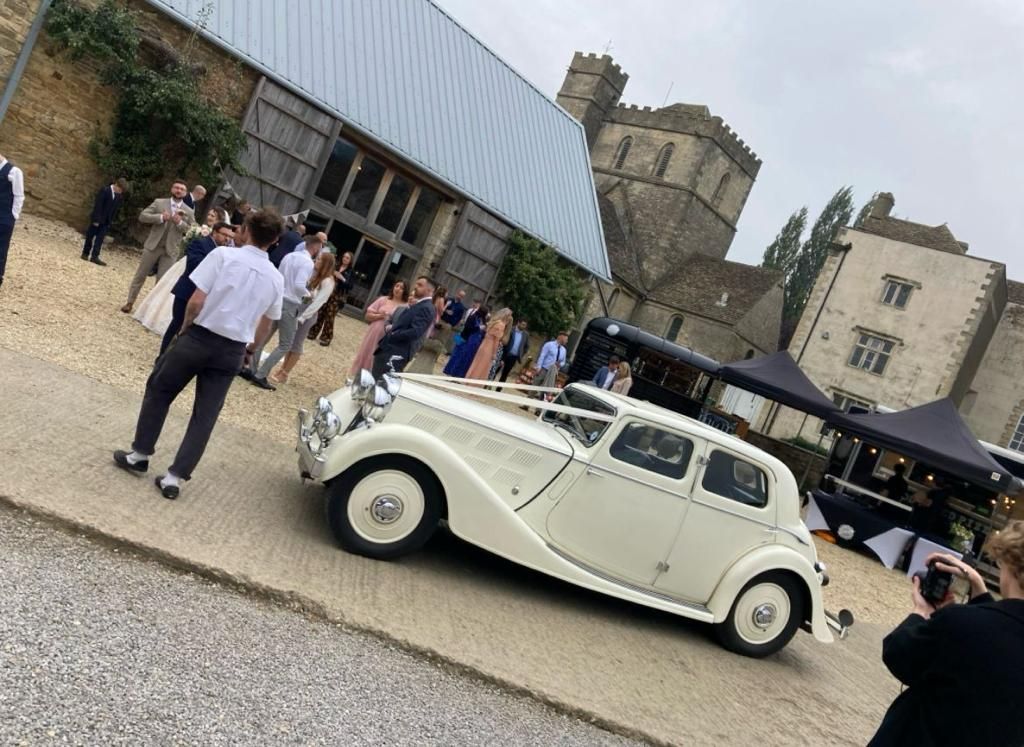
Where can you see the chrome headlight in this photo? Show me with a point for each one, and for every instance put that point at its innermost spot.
(323, 406)
(363, 385)
(330, 426)
(377, 403)
(392, 384)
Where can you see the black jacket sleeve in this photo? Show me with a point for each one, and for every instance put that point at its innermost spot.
(98, 206)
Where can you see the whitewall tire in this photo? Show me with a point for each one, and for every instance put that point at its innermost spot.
(384, 507)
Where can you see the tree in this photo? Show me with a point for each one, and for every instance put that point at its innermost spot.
(540, 286)
(801, 267)
(865, 211)
(782, 253)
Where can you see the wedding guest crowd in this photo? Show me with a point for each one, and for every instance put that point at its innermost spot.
(195, 253)
(321, 285)
(343, 282)
(407, 330)
(377, 315)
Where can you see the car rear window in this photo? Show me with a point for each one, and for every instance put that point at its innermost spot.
(653, 449)
(736, 479)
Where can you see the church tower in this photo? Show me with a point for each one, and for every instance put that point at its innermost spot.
(592, 88)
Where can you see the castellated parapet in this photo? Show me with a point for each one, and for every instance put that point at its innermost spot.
(603, 66)
(690, 119)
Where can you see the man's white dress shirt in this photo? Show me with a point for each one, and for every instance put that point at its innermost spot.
(17, 180)
(241, 287)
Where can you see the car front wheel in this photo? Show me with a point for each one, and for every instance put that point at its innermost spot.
(764, 616)
(384, 507)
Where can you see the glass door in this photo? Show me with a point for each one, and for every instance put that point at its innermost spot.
(366, 274)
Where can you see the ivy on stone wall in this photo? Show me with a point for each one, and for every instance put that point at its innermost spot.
(163, 126)
(540, 286)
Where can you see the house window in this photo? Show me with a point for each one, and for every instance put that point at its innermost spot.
(896, 293)
(871, 353)
(674, 327)
(622, 152)
(1017, 441)
(844, 402)
(661, 165)
(721, 189)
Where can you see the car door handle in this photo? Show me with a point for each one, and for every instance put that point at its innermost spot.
(594, 472)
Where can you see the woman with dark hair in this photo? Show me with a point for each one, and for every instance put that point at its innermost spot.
(463, 355)
(962, 664)
(377, 315)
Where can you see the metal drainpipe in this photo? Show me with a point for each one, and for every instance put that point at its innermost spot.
(23, 55)
(846, 248)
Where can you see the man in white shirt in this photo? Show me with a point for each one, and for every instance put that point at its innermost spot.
(170, 218)
(605, 377)
(296, 269)
(238, 296)
(12, 198)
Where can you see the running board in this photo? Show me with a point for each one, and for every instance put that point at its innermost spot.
(627, 585)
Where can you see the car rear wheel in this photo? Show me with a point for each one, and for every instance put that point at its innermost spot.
(764, 616)
(384, 507)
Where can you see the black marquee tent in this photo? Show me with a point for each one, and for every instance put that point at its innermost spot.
(778, 378)
(933, 433)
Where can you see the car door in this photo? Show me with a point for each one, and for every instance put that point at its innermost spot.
(623, 513)
(732, 510)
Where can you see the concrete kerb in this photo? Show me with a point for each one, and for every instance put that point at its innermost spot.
(303, 604)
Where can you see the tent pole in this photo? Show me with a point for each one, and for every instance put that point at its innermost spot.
(807, 469)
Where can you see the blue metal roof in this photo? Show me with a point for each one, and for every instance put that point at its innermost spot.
(406, 74)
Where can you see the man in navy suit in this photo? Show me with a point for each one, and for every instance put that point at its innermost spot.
(182, 291)
(196, 196)
(410, 326)
(104, 209)
(285, 245)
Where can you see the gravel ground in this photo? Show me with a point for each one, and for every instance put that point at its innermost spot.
(100, 647)
(57, 308)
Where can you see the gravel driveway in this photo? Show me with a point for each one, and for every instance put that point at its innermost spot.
(99, 647)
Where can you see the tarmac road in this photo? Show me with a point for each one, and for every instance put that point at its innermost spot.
(102, 647)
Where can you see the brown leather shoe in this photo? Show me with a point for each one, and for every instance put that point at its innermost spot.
(127, 308)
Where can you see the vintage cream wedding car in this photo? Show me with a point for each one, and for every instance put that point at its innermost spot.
(603, 491)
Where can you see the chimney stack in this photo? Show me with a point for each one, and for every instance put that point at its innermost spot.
(883, 205)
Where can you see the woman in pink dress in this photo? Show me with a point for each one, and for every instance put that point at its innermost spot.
(377, 314)
(488, 350)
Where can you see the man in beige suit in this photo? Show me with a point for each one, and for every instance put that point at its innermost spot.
(170, 218)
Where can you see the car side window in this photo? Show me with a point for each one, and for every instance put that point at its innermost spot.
(653, 449)
(735, 479)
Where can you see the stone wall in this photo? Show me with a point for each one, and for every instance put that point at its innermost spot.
(60, 106)
(15, 20)
(998, 402)
(592, 87)
(794, 457)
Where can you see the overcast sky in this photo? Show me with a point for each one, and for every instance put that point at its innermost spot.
(921, 99)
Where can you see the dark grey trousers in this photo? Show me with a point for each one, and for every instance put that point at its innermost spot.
(213, 361)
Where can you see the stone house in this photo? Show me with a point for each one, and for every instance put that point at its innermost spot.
(672, 183)
(901, 315)
(384, 136)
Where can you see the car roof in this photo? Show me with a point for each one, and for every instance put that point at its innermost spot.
(658, 414)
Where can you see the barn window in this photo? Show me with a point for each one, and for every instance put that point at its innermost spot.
(721, 189)
(622, 152)
(674, 327)
(663, 158)
(1017, 440)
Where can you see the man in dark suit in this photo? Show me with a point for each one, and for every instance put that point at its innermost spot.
(285, 245)
(182, 291)
(410, 326)
(104, 209)
(516, 349)
(196, 196)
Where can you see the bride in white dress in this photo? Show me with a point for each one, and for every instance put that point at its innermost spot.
(155, 310)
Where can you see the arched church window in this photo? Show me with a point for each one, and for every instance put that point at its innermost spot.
(661, 165)
(622, 152)
(674, 328)
(721, 189)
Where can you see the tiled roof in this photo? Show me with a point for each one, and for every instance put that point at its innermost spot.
(701, 283)
(1015, 292)
(932, 237)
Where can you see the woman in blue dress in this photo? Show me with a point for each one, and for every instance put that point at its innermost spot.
(462, 356)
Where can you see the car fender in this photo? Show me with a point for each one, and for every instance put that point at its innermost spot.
(475, 512)
(763, 560)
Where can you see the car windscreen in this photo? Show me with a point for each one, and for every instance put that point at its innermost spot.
(587, 430)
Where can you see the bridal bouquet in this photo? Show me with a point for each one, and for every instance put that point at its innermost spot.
(198, 231)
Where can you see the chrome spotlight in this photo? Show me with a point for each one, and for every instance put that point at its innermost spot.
(330, 426)
(376, 405)
(392, 384)
(362, 385)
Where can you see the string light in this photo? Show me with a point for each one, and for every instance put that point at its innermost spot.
(872, 451)
(902, 460)
(856, 440)
(930, 478)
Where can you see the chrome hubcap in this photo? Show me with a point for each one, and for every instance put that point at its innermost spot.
(386, 508)
(764, 615)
